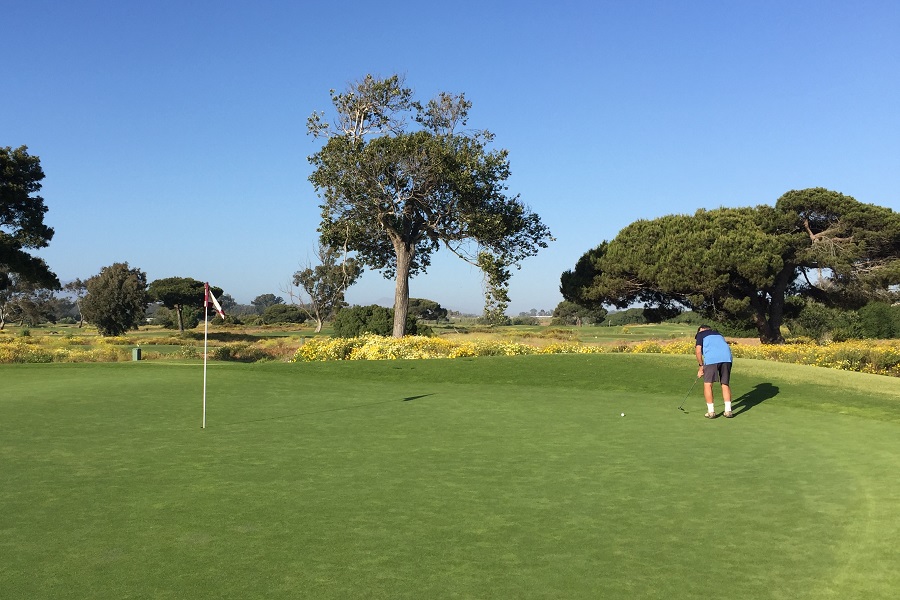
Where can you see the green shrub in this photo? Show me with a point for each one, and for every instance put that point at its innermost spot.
(216, 322)
(358, 320)
(688, 317)
(190, 352)
(494, 320)
(878, 320)
(632, 316)
(283, 313)
(817, 321)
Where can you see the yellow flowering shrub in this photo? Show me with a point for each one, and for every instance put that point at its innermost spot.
(387, 348)
(319, 348)
(374, 347)
(574, 348)
(866, 356)
(881, 358)
(31, 350)
(238, 351)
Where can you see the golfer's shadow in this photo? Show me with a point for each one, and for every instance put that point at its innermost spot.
(757, 395)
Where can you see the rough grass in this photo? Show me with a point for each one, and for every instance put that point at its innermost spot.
(497, 477)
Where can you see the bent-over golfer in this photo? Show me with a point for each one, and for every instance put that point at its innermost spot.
(714, 358)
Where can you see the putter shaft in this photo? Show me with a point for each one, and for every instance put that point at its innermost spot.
(688, 394)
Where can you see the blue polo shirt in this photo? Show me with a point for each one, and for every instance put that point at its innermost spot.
(715, 348)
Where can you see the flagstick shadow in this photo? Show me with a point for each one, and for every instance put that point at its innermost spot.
(326, 410)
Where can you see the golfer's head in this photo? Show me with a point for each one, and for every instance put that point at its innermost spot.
(702, 328)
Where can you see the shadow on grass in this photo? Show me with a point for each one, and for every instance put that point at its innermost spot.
(223, 336)
(757, 395)
(409, 398)
(327, 410)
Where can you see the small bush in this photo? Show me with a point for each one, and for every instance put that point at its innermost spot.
(238, 351)
(190, 352)
(557, 333)
(525, 320)
(217, 322)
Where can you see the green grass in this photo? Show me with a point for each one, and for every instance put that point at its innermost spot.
(472, 478)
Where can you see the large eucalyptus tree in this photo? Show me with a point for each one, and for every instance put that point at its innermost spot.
(399, 179)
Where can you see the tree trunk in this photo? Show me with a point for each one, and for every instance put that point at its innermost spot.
(180, 320)
(768, 307)
(776, 303)
(776, 318)
(404, 253)
(318, 325)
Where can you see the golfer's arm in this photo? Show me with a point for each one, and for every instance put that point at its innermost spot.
(698, 352)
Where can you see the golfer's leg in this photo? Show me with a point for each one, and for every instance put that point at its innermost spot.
(726, 396)
(708, 396)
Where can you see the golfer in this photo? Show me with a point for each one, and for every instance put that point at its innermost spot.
(714, 358)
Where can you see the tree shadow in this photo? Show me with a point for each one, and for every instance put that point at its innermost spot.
(409, 398)
(223, 336)
(757, 395)
(326, 410)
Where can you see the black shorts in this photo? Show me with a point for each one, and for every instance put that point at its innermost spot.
(717, 371)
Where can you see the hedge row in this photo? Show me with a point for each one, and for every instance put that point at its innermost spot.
(881, 358)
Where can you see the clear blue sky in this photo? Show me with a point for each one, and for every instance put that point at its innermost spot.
(173, 133)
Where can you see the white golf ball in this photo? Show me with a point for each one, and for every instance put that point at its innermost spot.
(623, 414)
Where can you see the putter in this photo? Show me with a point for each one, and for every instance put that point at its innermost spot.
(680, 406)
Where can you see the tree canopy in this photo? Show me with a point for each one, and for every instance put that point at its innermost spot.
(742, 263)
(264, 301)
(22, 219)
(26, 302)
(427, 310)
(178, 292)
(116, 299)
(569, 313)
(398, 180)
(325, 283)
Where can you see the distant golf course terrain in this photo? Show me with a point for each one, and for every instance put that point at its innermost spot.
(491, 477)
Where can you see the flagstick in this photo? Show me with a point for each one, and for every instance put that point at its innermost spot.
(205, 336)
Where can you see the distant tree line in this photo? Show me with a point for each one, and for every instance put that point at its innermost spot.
(817, 264)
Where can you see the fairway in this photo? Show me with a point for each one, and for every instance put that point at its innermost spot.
(495, 477)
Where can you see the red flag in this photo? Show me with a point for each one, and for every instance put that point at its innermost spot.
(209, 296)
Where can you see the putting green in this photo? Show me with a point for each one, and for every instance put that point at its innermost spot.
(470, 478)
